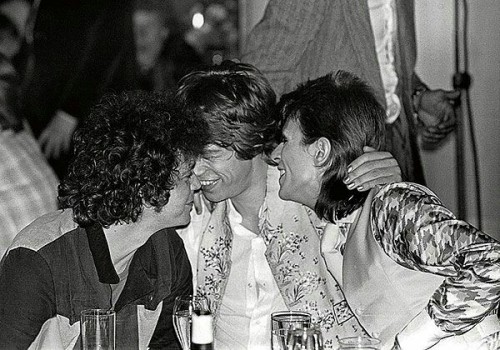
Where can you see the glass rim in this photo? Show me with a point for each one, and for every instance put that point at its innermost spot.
(292, 313)
(190, 297)
(359, 340)
(97, 312)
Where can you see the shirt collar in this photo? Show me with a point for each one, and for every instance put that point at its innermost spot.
(100, 253)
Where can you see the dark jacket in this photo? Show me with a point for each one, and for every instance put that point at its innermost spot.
(55, 269)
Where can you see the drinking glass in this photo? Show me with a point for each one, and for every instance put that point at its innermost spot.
(359, 343)
(184, 306)
(97, 329)
(491, 342)
(307, 338)
(283, 322)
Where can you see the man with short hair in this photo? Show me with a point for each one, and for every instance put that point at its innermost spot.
(130, 179)
(251, 253)
(415, 275)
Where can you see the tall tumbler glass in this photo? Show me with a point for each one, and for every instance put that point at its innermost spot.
(97, 329)
(283, 322)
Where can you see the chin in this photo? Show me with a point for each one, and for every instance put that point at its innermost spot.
(214, 198)
(283, 195)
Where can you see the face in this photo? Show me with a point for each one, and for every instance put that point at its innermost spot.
(300, 179)
(222, 175)
(177, 211)
(150, 34)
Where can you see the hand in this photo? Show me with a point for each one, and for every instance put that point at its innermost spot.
(437, 115)
(56, 137)
(372, 168)
(199, 199)
(197, 202)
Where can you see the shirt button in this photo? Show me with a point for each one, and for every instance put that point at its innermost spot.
(150, 298)
(376, 334)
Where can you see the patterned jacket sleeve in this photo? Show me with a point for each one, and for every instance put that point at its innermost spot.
(418, 232)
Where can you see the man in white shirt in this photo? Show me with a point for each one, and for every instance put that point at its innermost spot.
(251, 253)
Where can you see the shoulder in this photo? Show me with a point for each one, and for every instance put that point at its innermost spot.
(402, 194)
(167, 237)
(44, 230)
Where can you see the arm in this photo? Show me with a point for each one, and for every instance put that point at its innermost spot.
(27, 298)
(55, 139)
(372, 168)
(418, 232)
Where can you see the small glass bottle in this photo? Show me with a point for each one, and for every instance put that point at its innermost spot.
(202, 332)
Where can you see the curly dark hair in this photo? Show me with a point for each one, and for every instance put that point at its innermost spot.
(342, 108)
(238, 103)
(127, 153)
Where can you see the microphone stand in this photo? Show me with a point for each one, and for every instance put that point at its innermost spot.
(462, 82)
(459, 83)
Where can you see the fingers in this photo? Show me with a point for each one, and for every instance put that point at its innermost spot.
(452, 95)
(197, 202)
(376, 177)
(371, 169)
(369, 156)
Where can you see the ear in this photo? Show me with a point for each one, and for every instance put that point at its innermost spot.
(320, 151)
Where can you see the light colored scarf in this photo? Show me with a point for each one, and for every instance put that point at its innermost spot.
(292, 234)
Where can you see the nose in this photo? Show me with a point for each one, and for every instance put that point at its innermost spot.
(276, 154)
(195, 182)
(199, 167)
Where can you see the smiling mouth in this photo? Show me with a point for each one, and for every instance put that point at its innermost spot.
(206, 184)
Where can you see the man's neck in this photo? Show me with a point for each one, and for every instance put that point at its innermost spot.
(248, 203)
(125, 239)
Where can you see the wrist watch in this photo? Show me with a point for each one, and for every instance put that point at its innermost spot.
(417, 96)
(416, 101)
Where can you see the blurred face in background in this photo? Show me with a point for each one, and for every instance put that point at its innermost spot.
(150, 33)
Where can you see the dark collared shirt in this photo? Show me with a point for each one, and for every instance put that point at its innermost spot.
(55, 269)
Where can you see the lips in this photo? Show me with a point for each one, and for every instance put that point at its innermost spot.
(208, 184)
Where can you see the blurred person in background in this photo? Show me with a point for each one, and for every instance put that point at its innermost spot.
(130, 180)
(375, 39)
(163, 55)
(216, 37)
(76, 51)
(28, 186)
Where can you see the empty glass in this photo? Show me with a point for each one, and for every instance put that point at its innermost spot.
(97, 329)
(359, 343)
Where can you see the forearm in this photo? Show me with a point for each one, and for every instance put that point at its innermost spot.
(418, 232)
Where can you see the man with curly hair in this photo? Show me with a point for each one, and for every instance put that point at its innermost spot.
(109, 247)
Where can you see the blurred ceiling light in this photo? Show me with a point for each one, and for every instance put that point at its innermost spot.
(198, 20)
